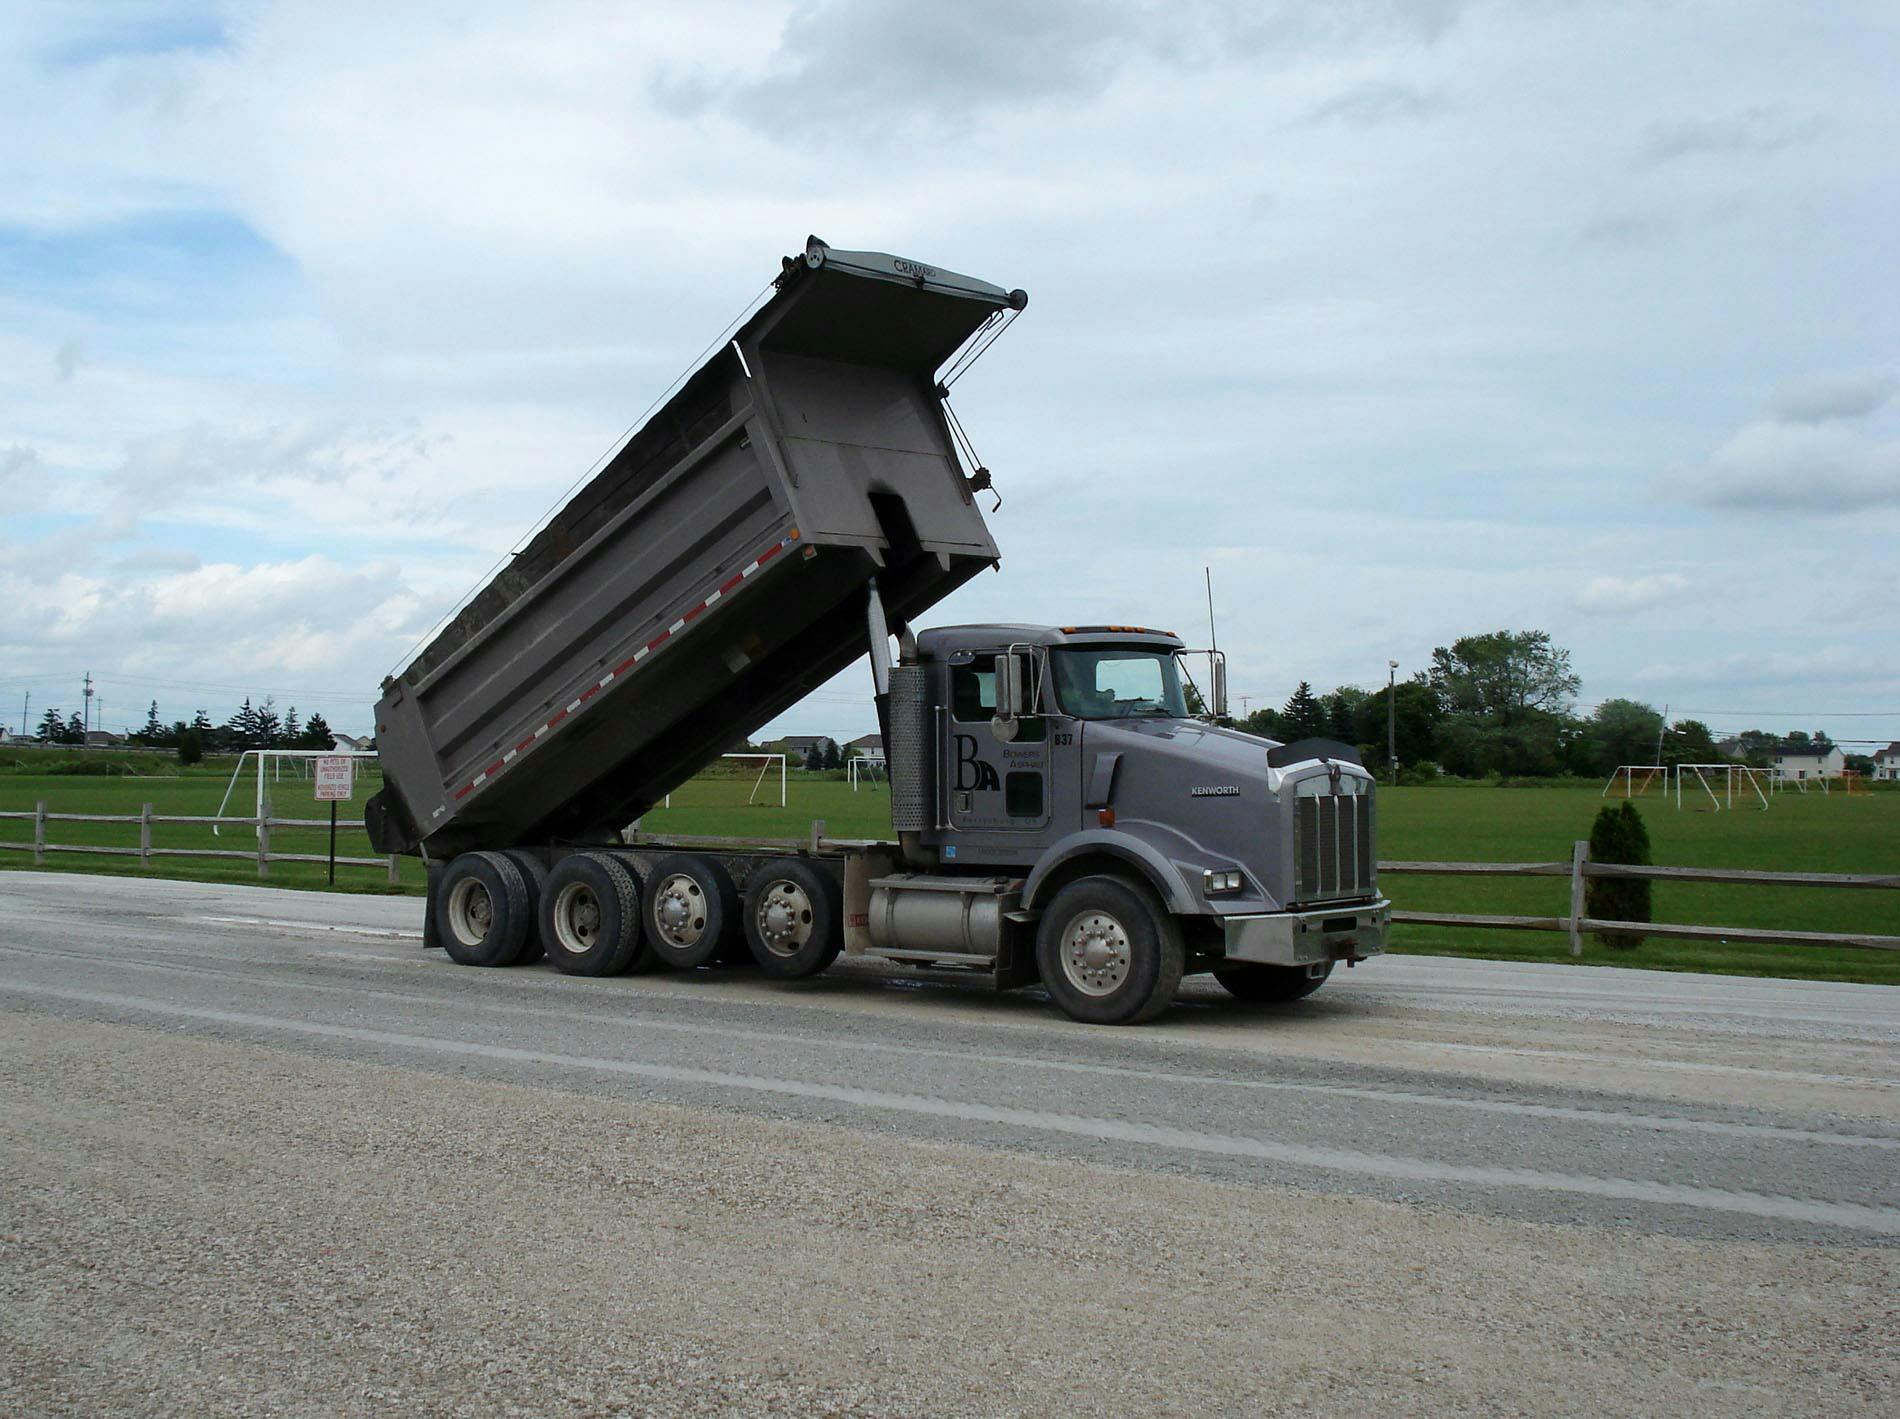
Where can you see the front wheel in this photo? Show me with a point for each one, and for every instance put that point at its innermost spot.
(1108, 952)
(1271, 985)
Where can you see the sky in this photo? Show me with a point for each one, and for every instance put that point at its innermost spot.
(1409, 319)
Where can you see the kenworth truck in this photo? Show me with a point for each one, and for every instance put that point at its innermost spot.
(1058, 816)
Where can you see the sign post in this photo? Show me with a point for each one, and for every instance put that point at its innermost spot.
(333, 787)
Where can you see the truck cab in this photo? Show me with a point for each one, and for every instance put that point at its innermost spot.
(1068, 759)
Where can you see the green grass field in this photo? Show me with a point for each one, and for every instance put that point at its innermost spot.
(1467, 823)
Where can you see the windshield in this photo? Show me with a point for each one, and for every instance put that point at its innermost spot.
(1118, 682)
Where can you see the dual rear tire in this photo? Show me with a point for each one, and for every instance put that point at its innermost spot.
(595, 914)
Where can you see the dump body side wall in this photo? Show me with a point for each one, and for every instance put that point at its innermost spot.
(670, 611)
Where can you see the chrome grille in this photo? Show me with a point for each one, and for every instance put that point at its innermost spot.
(1332, 837)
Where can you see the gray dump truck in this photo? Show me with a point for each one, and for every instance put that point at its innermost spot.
(1057, 814)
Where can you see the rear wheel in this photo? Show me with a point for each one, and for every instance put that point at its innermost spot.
(590, 915)
(794, 918)
(1271, 985)
(482, 910)
(534, 872)
(1108, 952)
(688, 909)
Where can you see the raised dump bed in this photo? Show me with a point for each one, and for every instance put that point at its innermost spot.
(708, 578)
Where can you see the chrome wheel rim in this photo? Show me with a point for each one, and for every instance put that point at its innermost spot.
(576, 918)
(784, 918)
(1096, 956)
(679, 911)
(471, 912)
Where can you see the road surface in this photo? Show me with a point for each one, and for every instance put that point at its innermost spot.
(268, 1154)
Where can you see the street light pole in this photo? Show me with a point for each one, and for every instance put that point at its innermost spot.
(1392, 719)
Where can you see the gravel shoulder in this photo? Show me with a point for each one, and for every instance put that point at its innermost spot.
(189, 1225)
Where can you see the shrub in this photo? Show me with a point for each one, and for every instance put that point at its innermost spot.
(1619, 835)
(191, 747)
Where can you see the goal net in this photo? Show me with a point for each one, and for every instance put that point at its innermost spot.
(866, 770)
(1725, 785)
(734, 781)
(1634, 780)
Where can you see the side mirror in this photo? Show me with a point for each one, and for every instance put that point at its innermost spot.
(1220, 687)
(1009, 696)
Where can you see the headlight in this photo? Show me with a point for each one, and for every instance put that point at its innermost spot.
(1215, 883)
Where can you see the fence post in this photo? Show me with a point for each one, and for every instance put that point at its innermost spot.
(1579, 854)
(145, 836)
(263, 844)
(395, 870)
(39, 833)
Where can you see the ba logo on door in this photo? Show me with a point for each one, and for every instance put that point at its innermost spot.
(973, 775)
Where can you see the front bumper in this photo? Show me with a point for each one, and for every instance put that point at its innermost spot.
(1308, 938)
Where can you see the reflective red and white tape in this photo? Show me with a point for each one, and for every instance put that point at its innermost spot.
(580, 702)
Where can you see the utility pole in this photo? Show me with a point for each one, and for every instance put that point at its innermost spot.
(86, 718)
(1392, 719)
(23, 707)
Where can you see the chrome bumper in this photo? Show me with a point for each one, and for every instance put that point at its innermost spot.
(1310, 937)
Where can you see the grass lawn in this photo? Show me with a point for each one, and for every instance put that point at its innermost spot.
(1473, 823)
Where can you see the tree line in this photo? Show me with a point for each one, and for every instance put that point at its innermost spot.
(1505, 703)
(257, 726)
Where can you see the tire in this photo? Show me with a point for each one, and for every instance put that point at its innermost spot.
(535, 873)
(1108, 952)
(688, 910)
(794, 918)
(1269, 985)
(482, 910)
(590, 915)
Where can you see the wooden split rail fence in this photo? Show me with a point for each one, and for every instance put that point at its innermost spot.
(145, 852)
(1578, 869)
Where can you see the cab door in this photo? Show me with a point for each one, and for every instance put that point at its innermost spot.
(995, 786)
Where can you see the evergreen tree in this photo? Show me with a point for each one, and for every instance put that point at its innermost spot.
(52, 727)
(1618, 835)
(1342, 713)
(201, 721)
(293, 731)
(1304, 716)
(75, 731)
(153, 731)
(834, 757)
(815, 757)
(316, 733)
(269, 727)
(241, 727)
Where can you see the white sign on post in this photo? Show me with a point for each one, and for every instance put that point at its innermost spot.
(333, 779)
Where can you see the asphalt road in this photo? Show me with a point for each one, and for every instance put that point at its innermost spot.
(1412, 1078)
(1745, 1128)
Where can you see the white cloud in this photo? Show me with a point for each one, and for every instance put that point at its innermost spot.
(1801, 468)
(1618, 594)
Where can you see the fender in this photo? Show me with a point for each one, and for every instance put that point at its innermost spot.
(1131, 847)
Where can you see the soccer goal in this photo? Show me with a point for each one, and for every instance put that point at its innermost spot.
(272, 764)
(1722, 784)
(866, 768)
(734, 781)
(1636, 779)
